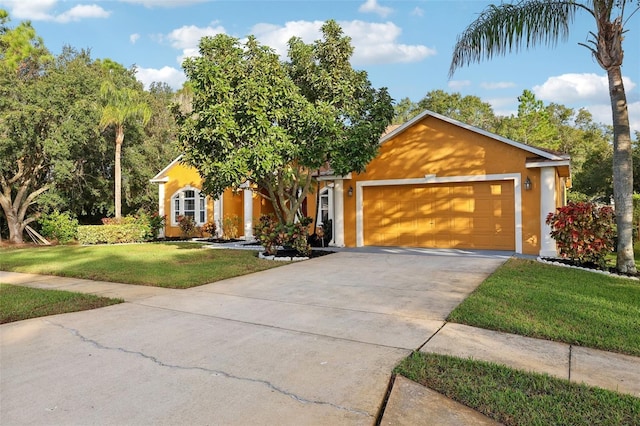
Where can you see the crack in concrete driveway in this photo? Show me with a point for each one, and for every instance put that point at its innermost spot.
(160, 363)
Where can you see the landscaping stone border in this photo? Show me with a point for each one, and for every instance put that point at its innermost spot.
(599, 271)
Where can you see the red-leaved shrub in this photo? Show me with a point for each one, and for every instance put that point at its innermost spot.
(583, 232)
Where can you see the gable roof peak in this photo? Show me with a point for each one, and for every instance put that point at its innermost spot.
(541, 152)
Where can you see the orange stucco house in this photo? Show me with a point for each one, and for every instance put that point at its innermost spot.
(436, 182)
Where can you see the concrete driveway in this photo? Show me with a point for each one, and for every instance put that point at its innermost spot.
(308, 343)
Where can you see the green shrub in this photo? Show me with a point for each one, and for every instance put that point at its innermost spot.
(152, 223)
(583, 232)
(112, 234)
(266, 231)
(231, 227)
(272, 234)
(59, 226)
(187, 226)
(576, 197)
(210, 228)
(156, 223)
(124, 220)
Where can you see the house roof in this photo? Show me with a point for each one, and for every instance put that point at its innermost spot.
(160, 177)
(543, 154)
(540, 157)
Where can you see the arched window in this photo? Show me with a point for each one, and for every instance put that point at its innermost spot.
(189, 202)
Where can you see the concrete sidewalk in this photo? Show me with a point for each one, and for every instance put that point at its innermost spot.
(128, 292)
(409, 403)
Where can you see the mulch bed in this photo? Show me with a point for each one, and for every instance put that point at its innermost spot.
(293, 253)
(587, 265)
(204, 240)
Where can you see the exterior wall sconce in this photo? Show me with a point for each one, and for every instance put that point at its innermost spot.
(350, 191)
(527, 184)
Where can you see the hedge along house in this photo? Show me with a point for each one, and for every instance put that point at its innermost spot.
(435, 182)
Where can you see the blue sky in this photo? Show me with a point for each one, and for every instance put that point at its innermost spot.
(403, 45)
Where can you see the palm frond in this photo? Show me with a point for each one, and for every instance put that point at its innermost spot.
(505, 28)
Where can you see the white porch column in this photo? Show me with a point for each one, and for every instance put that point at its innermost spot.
(248, 213)
(547, 205)
(161, 208)
(338, 213)
(217, 214)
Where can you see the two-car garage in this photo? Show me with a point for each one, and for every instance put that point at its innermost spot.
(439, 183)
(473, 215)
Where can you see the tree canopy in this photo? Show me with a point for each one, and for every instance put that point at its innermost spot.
(53, 154)
(256, 119)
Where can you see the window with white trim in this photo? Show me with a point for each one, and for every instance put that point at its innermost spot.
(191, 203)
(323, 208)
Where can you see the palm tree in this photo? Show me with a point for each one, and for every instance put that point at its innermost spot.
(119, 107)
(504, 28)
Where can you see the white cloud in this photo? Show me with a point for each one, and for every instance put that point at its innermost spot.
(36, 10)
(590, 91)
(163, 3)
(45, 10)
(188, 37)
(505, 106)
(372, 6)
(497, 85)
(458, 84)
(80, 12)
(133, 38)
(570, 88)
(172, 76)
(417, 11)
(277, 36)
(602, 114)
(374, 43)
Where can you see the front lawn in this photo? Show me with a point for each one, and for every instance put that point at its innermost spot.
(513, 397)
(19, 303)
(556, 303)
(174, 265)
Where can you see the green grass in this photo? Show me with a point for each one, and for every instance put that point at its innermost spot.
(514, 397)
(174, 265)
(19, 303)
(556, 303)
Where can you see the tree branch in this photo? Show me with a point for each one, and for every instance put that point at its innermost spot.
(22, 211)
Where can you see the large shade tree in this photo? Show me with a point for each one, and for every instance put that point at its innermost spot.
(24, 123)
(257, 120)
(502, 29)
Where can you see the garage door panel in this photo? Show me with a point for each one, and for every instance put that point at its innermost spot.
(478, 215)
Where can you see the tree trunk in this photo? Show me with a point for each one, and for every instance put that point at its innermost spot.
(15, 231)
(14, 222)
(622, 172)
(118, 171)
